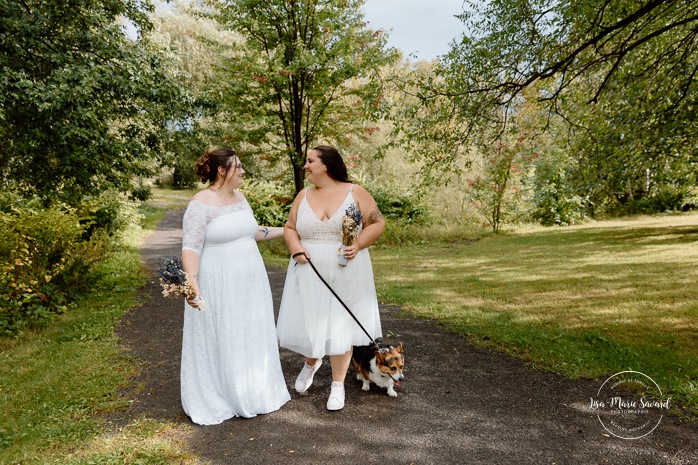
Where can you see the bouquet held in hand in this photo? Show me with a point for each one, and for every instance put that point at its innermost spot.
(351, 225)
(176, 283)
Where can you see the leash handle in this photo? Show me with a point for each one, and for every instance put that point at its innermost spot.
(297, 254)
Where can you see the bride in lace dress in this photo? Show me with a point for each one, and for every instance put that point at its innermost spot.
(312, 322)
(230, 356)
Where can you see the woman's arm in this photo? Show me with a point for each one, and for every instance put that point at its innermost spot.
(264, 233)
(291, 236)
(373, 222)
(194, 224)
(190, 263)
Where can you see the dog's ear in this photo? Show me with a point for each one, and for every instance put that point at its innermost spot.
(398, 347)
(380, 356)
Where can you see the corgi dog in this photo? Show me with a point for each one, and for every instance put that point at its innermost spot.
(382, 364)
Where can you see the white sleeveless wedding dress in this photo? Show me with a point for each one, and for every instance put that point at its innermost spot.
(230, 356)
(311, 320)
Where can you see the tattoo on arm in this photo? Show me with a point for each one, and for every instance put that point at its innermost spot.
(374, 217)
(264, 231)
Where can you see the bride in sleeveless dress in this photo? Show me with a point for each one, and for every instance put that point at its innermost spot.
(312, 322)
(230, 356)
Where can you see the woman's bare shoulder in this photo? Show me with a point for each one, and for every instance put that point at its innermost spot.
(361, 194)
(359, 189)
(202, 196)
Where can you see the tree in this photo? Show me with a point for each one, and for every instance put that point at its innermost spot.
(630, 148)
(306, 72)
(618, 73)
(82, 106)
(514, 44)
(199, 46)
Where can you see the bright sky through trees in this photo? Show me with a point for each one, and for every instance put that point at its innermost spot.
(421, 28)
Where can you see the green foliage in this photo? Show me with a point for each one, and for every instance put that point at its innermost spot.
(611, 83)
(48, 254)
(665, 200)
(82, 106)
(497, 191)
(183, 175)
(513, 45)
(629, 147)
(108, 213)
(141, 192)
(398, 233)
(432, 129)
(400, 207)
(59, 382)
(197, 46)
(41, 264)
(186, 151)
(554, 201)
(554, 205)
(270, 201)
(305, 73)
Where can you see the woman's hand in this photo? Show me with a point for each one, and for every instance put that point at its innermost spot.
(350, 251)
(194, 303)
(301, 256)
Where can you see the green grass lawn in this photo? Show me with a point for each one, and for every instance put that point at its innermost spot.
(585, 301)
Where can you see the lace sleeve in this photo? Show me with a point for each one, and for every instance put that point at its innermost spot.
(194, 225)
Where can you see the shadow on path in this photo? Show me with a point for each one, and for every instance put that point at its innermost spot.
(459, 404)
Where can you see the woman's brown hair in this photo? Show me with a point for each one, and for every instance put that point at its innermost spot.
(207, 166)
(331, 158)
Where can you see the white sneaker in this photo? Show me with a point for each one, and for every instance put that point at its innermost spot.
(336, 400)
(305, 377)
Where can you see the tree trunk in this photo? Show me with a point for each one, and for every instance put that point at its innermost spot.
(299, 177)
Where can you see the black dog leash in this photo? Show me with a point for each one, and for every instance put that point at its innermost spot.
(373, 341)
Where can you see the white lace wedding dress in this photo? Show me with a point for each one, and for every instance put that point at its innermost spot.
(230, 356)
(312, 322)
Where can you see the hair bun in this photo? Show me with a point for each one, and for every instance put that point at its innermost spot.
(202, 168)
(209, 165)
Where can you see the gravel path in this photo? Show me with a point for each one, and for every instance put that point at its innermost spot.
(459, 404)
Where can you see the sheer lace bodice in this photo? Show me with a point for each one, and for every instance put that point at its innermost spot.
(196, 220)
(312, 228)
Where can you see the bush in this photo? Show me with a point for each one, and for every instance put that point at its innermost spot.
(48, 255)
(663, 200)
(183, 175)
(555, 206)
(270, 201)
(554, 199)
(109, 213)
(35, 252)
(400, 207)
(394, 203)
(403, 234)
(141, 192)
